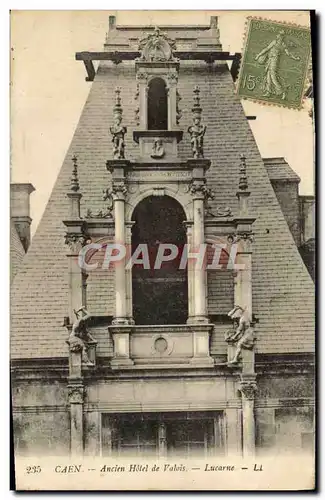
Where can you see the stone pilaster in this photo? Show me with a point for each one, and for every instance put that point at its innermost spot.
(76, 399)
(162, 440)
(248, 389)
(121, 342)
(233, 434)
(172, 99)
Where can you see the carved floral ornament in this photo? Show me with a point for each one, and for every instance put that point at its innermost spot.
(156, 47)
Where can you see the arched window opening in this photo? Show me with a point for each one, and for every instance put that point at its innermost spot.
(157, 105)
(159, 294)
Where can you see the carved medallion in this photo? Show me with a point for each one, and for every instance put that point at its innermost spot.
(156, 47)
(158, 150)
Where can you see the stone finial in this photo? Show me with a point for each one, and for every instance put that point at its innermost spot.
(196, 108)
(74, 185)
(197, 130)
(117, 130)
(243, 183)
(242, 193)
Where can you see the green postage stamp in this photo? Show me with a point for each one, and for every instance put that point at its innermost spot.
(274, 63)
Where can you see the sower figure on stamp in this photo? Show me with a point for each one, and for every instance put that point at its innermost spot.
(80, 336)
(243, 336)
(270, 57)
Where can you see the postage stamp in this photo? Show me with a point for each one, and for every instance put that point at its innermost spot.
(274, 63)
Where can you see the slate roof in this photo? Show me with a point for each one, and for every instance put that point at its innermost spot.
(279, 170)
(282, 288)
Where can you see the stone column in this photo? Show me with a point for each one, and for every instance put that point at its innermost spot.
(129, 301)
(200, 308)
(248, 390)
(119, 192)
(190, 272)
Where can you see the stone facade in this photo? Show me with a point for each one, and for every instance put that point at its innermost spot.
(99, 382)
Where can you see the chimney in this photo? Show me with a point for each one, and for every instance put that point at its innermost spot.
(20, 210)
(111, 23)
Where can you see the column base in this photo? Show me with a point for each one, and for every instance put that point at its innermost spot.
(203, 361)
(121, 321)
(202, 320)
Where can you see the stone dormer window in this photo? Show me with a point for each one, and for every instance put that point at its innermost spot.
(157, 109)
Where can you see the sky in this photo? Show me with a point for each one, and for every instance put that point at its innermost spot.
(48, 90)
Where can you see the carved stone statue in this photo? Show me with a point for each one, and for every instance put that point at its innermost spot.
(79, 335)
(118, 132)
(158, 150)
(197, 131)
(243, 335)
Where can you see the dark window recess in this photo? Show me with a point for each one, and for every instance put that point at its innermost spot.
(157, 105)
(159, 295)
(188, 434)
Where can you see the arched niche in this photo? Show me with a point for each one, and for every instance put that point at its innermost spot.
(159, 295)
(157, 105)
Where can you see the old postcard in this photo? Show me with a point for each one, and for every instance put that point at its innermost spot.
(162, 250)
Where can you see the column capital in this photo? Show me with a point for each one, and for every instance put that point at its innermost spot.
(76, 241)
(119, 191)
(76, 393)
(248, 387)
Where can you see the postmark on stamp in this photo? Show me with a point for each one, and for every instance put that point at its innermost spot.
(274, 63)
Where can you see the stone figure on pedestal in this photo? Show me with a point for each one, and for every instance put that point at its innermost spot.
(197, 131)
(118, 132)
(243, 335)
(79, 335)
